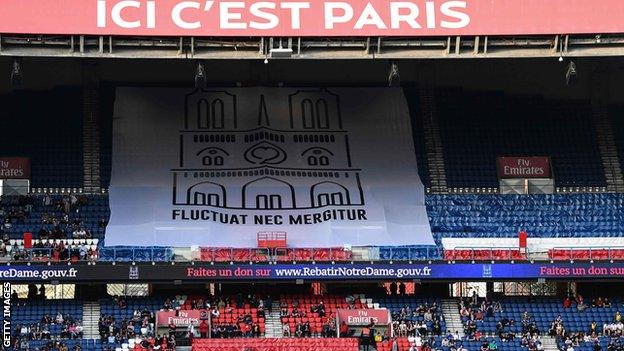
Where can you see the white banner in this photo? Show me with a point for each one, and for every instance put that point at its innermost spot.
(215, 167)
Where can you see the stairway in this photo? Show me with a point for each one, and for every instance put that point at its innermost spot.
(91, 139)
(549, 343)
(433, 141)
(608, 149)
(450, 309)
(272, 322)
(90, 320)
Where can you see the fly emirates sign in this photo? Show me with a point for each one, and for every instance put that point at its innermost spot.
(311, 18)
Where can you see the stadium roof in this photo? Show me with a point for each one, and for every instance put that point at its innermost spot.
(312, 48)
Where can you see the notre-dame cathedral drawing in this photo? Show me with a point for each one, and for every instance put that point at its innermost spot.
(299, 161)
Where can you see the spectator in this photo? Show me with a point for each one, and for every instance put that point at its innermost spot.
(402, 289)
(593, 327)
(172, 328)
(286, 330)
(393, 288)
(203, 329)
(344, 330)
(580, 303)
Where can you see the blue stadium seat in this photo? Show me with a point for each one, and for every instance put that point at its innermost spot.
(478, 127)
(572, 215)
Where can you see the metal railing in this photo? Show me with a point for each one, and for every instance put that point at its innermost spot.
(258, 255)
(47, 255)
(487, 253)
(130, 254)
(273, 255)
(586, 253)
(125, 254)
(416, 253)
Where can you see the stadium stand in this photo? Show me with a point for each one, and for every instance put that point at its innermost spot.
(38, 323)
(419, 323)
(418, 134)
(107, 98)
(315, 311)
(410, 314)
(55, 145)
(125, 319)
(617, 115)
(501, 216)
(53, 220)
(313, 344)
(474, 140)
(54, 216)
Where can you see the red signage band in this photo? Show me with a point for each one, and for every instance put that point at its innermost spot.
(524, 167)
(311, 17)
(14, 168)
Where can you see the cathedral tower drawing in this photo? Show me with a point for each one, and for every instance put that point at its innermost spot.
(295, 162)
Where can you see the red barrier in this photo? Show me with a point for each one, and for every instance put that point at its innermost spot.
(585, 254)
(270, 344)
(484, 254)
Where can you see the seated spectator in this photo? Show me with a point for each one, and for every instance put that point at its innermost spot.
(596, 346)
(215, 313)
(593, 327)
(580, 303)
(59, 318)
(485, 346)
(121, 303)
(286, 330)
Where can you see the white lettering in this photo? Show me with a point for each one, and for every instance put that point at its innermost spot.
(410, 18)
(447, 10)
(331, 18)
(256, 10)
(295, 12)
(101, 14)
(431, 15)
(226, 16)
(176, 14)
(116, 14)
(151, 14)
(370, 17)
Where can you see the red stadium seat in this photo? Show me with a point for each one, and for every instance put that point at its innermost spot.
(617, 254)
(580, 255)
(321, 255)
(222, 255)
(484, 255)
(303, 255)
(205, 254)
(339, 254)
(600, 254)
(286, 344)
(449, 255)
(241, 255)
